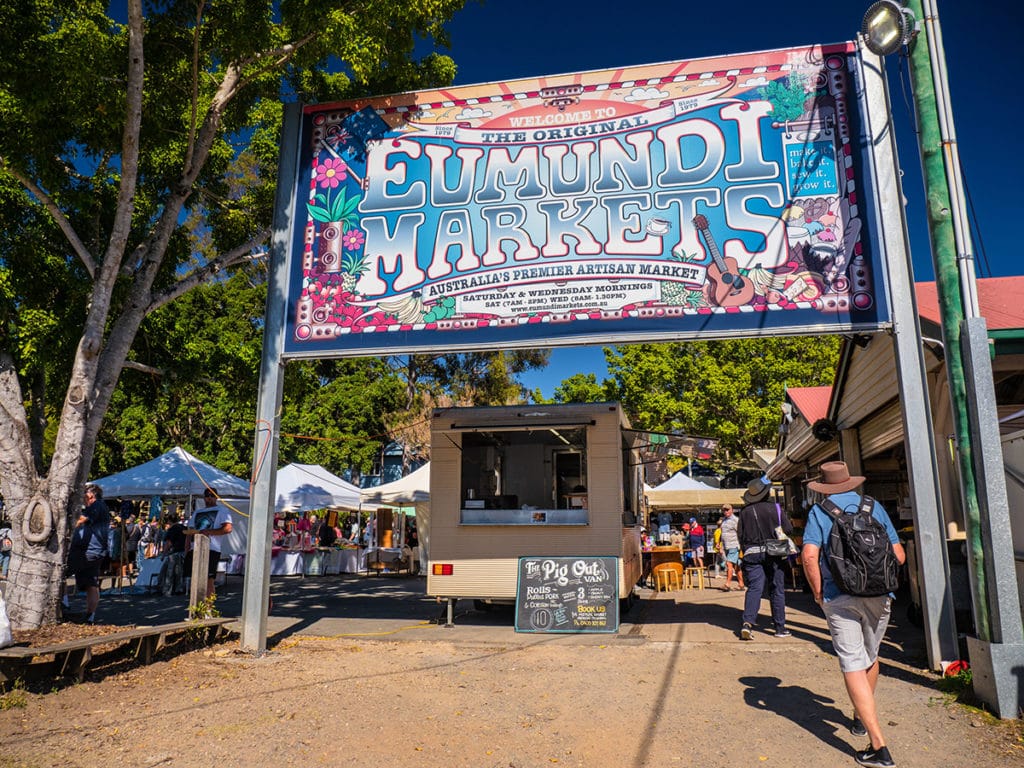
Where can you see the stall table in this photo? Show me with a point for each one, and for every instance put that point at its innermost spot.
(324, 561)
(148, 579)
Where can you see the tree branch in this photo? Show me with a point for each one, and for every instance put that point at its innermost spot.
(211, 268)
(192, 128)
(58, 216)
(122, 225)
(280, 55)
(143, 368)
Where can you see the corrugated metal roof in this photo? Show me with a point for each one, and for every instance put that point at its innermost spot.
(812, 402)
(1001, 300)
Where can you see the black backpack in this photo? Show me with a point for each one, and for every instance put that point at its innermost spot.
(860, 554)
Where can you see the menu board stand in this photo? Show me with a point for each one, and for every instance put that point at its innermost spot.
(567, 594)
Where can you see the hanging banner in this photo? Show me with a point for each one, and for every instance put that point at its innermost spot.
(709, 198)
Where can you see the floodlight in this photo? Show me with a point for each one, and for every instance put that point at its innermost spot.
(887, 27)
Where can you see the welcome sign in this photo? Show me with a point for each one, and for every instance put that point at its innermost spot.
(716, 197)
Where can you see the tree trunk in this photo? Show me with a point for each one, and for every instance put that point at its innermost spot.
(36, 575)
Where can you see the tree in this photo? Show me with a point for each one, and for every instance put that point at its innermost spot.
(114, 135)
(582, 388)
(728, 389)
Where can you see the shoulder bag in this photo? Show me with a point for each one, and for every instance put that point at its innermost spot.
(781, 545)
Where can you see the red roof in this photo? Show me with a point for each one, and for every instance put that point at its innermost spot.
(1001, 300)
(812, 402)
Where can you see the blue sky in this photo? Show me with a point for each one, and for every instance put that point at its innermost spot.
(505, 39)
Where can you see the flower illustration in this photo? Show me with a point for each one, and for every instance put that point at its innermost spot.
(353, 239)
(330, 173)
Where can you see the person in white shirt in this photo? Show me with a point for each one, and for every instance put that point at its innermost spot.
(213, 521)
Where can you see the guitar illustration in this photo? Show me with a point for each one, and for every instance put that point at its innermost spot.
(728, 287)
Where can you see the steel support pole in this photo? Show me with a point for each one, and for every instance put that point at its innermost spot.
(919, 444)
(997, 653)
(947, 285)
(268, 407)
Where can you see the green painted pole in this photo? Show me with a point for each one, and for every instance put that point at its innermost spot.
(947, 283)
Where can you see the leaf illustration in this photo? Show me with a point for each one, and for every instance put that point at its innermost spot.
(318, 213)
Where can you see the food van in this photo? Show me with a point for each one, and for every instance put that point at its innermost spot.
(531, 480)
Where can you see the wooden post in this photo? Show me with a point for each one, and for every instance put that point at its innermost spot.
(200, 564)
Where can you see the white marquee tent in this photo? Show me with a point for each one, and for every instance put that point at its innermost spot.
(300, 488)
(304, 487)
(683, 492)
(175, 473)
(413, 490)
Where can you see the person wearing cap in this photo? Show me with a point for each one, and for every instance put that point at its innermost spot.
(758, 521)
(697, 541)
(731, 547)
(857, 624)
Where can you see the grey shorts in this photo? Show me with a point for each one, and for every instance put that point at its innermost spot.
(857, 626)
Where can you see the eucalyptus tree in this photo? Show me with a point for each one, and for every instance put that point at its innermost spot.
(115, 132)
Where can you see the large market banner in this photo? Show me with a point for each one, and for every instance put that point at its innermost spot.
(715, 197)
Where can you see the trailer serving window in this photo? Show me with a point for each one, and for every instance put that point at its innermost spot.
(525, 477)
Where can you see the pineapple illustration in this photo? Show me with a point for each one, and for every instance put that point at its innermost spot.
(353, 265)
(678, 294)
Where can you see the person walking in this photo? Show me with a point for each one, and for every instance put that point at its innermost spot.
(758, 520)
(88, 549)
(857, 624)
(6, 544)
(731, 547)
(697, 541)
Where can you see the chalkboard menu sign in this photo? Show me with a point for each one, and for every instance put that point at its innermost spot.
(567, 594)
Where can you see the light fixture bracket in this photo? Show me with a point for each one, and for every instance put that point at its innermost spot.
(887, 27)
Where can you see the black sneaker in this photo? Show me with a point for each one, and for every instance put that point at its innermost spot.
(783, 633)
(747, 633)
(857, 727)
(874, 758)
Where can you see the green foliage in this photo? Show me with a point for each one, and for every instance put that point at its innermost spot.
(959, 686)
(62, 138)
(204, 609)
(727, 389)
(15, 698)
(583, 388)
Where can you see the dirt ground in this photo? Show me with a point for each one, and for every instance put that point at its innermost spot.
(616, 700)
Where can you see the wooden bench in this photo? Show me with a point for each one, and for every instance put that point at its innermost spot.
(73, 657)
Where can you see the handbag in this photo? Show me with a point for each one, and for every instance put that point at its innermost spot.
(781, 545)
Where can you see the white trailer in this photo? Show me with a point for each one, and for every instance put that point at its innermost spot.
(531, 480)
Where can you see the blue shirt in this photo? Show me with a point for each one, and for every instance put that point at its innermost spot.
(819, 526)
(664, 522)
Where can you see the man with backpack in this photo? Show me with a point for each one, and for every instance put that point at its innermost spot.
(851, 556)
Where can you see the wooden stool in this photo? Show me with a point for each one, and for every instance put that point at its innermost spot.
(695, 578)
(666, 579)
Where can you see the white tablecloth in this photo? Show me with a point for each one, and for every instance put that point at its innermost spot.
(352, 560)
(286, 563)
(326, 562)
(149, 572)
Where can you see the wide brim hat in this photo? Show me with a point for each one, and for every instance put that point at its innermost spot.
(757, 490)
(835, 478)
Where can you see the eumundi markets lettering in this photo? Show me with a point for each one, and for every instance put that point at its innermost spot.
(585, 198)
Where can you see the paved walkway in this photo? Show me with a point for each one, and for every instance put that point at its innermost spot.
(396, 607)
